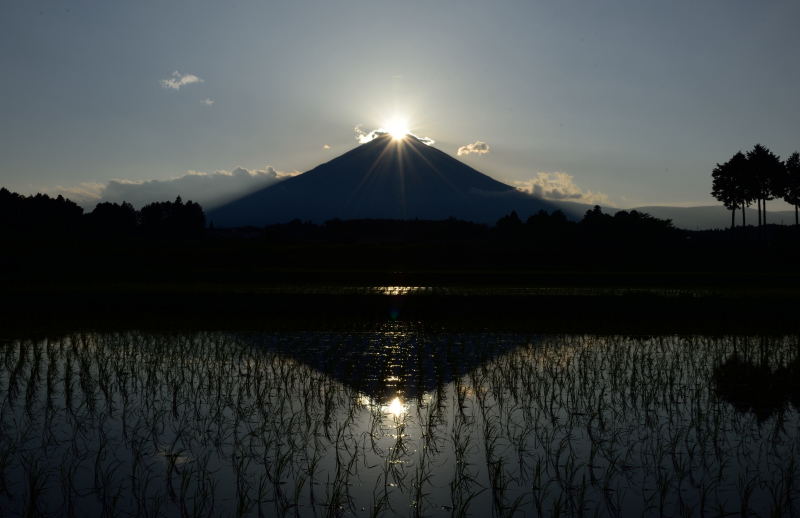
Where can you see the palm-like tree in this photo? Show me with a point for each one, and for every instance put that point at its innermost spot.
(765, 178)
(792, 191)
(724, 186)
(731, 185)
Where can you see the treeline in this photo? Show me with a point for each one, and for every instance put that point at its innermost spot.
(757, 177)
(43, 216)
(622, 228)
(161, 240)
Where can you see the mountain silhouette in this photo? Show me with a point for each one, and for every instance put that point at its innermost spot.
(384, 178)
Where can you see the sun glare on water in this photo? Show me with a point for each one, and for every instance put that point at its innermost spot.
(397, 127)
(395, 408)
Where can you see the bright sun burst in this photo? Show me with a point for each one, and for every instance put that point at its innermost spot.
(397, 127)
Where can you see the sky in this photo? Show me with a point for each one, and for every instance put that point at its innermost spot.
(625, 102)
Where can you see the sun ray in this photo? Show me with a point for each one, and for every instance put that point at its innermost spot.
(439, 173)
(367, 176)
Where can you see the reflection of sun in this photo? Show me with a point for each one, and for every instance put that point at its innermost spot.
(395, 407)
(397, 127)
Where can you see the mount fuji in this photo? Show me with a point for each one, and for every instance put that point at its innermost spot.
(386, 178)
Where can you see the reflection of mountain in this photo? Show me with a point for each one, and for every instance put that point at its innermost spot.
(397, 359)
(384, 178)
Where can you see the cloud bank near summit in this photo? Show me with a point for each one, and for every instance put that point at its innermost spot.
(363, 136)
(559, 186)
(207, 189)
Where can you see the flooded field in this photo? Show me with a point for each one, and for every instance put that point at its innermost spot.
(399, 420)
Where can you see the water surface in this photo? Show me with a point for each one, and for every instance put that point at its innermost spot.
(397, 420)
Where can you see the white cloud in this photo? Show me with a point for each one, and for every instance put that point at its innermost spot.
(84, 194)
(207, 189)
(177, 80)
(363, 136)
(478, 147)
(207, 102)
(560, 186)
(425, 140)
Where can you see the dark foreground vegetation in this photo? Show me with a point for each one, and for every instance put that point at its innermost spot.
(40, 217)
(161, 264)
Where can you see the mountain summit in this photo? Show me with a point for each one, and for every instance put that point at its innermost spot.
(384, 178)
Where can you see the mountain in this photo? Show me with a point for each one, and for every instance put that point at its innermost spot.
(384, 178)
(712, 216)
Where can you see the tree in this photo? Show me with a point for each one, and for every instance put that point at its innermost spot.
(172, 219)
(768, 181)
(509, 221)
(729, 185)
(596, 224)
(595, 217)
(792, 192)
(112, 219)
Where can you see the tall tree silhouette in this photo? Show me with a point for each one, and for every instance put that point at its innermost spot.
(730, 185)
(172, 219)
(112, 219)
(509, 221)
(792, 191)
(767, 174)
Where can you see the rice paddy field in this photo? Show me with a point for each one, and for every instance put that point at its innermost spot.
(398, 419)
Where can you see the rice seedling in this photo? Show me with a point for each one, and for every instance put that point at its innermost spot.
(397, 421)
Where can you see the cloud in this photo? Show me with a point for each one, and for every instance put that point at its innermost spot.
(207, 189)
(207, 102)
(363, 136)
(560, 186)
(85, 194)
(425, 140)
(478, 147)
(177, 80)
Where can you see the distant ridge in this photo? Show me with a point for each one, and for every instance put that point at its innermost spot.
(384, 178)
(712, 216)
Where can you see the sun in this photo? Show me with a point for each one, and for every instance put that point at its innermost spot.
(397, 127)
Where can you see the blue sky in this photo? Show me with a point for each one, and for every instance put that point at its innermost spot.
(632, 101)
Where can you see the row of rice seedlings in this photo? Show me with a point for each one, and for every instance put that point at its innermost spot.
(209, 424)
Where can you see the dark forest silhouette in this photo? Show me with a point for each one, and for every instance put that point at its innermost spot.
(161, 260)
(43, 216)
(757, 177)
(512, 237)
(561, 238)
(626, 238)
